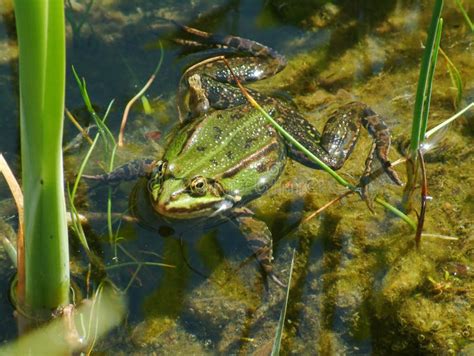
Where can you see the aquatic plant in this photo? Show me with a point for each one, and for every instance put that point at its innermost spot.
(455, 77)
(77, 330)
(43, 263)
(465, 14)
(77, 24)
(110, 149)
(425, 80)
(281, 321)
(421, 113)
(140, 94)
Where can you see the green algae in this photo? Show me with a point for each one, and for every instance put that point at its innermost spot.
(359, 285)
(163, 306)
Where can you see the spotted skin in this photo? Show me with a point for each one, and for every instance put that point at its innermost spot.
(128, 171)
(209, 84)
(226, 153)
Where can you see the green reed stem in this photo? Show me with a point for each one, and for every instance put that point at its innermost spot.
(429, 82)
(42, 57)
(423, 92)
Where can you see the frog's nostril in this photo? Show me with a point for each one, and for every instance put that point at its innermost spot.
(174, 196)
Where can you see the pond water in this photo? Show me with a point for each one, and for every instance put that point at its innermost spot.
(359, 285)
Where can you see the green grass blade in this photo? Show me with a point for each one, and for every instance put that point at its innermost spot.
(423, 80)
(455, 77)
(281, 321)
(109, 141)
(465, 14)
(429, 81)
(396, 212)
(300, 147)
(42, 57)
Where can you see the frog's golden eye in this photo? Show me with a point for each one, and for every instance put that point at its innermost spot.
(159, 171)
(198, 186)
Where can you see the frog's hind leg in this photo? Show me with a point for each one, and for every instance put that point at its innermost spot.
(205, 85)
(342, 130)
(126, 172)
(259, 239)
(252, 61)
(380, 133)
(339, 137)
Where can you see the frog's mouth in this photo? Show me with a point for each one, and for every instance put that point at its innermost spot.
(198, 208)
(175, 200)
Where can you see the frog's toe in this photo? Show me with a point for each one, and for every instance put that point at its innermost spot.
(392, 174)
(267, 267)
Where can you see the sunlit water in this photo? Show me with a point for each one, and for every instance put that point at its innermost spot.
(359, 286)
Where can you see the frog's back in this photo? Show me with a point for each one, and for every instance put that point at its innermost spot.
(237, 147)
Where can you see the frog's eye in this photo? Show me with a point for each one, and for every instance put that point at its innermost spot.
(198, 186)
(159, 171)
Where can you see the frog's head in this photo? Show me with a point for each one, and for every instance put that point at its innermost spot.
(185, 198)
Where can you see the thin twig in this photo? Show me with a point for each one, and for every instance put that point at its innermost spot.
(438, 236)
(346, 194)
(79, 127)
(327, 205)
(136, 97)
(18, 197)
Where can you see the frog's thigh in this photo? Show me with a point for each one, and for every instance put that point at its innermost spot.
(341, 132)
(259, 238)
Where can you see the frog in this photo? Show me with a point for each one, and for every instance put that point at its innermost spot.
(225, 153)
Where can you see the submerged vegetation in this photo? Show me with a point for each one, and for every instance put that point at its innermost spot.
(358, 285)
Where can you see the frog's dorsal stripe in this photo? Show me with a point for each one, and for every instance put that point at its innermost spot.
(236, 133)
(272, 145)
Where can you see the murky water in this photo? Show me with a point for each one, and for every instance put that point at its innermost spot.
(359, 285)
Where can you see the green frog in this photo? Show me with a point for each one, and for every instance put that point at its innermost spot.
(225, 153)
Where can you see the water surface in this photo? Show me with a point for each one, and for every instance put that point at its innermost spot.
(359, 285)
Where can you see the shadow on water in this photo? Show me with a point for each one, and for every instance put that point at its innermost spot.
(354, 23)
(352, 283)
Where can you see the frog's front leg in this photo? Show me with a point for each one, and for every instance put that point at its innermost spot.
(126, 172)
(259, 239)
